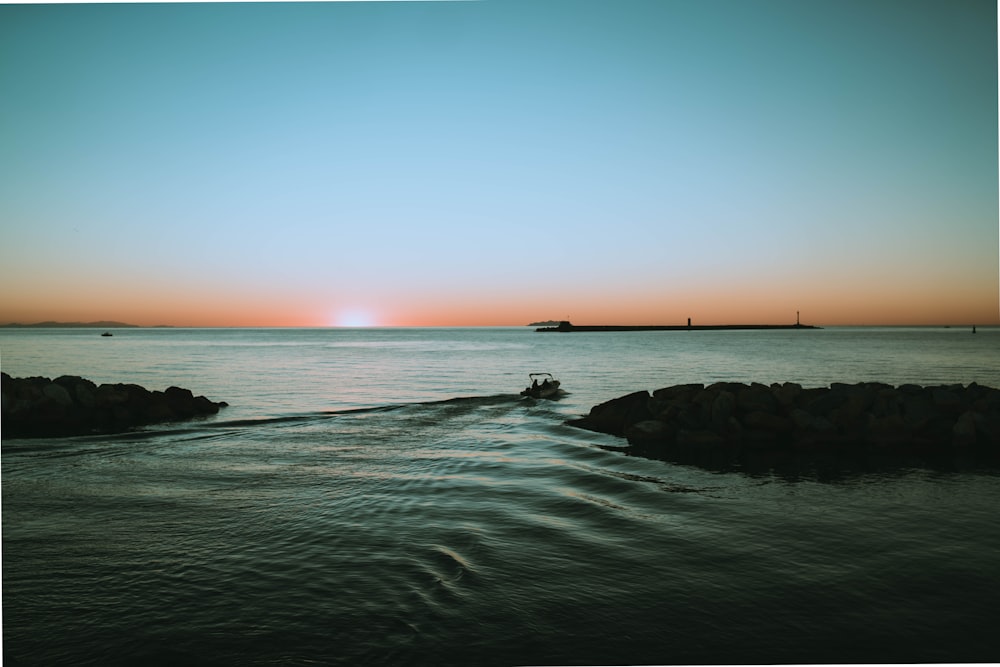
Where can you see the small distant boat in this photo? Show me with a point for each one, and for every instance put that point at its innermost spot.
(543, 385)
(107, 333)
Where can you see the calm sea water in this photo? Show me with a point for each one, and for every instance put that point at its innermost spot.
(384, 496)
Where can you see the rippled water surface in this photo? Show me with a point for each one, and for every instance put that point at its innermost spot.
(385, 497)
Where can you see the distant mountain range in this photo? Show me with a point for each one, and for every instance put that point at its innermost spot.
(73, 325)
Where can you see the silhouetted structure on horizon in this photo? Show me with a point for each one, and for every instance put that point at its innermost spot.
(568, 327)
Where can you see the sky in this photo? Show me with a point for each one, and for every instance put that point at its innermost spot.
(500, 162)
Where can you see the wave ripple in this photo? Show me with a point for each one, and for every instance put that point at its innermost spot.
(476, 530)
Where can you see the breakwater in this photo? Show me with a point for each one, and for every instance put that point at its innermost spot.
(567, 327)
(71, 405)
(723, 423)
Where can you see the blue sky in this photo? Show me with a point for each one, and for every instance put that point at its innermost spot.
(416, 162)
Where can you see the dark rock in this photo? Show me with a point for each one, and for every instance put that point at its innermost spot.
(58, 394)
(805, 421)
(756, 398)
(988, 427)
(157, 408)
(964, 430)
(946, 399)
(787, 393)
(71, 405)
(887, 403)
(850, 417)
(178, 394)
(759, 438)
(83, 391)
(688, 415)
(844, 418)
(650, 432)
(108, 395)
(681, 391)
(827, 402)
(766, 421)
(181, 402)
(723, 409)
(700, 438)
(611, 417)
(732, 387)
(204, 406)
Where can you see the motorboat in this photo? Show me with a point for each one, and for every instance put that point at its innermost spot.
(107, 334)
(543, 385)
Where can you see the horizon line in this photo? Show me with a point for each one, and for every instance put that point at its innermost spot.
(110, 324)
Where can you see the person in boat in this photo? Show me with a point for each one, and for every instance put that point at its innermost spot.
(545, 383)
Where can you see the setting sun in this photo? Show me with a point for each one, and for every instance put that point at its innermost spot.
(354, 318)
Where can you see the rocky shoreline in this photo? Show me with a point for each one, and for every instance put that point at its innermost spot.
(727, 423)
(71, 405)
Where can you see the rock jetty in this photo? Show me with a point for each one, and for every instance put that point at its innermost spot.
(569, 327)
(70, 405)
(722, 423)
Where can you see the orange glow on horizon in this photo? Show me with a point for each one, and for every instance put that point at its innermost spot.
(821, 304)
(869, 315)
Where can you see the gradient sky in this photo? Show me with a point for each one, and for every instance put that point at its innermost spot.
(501, 161)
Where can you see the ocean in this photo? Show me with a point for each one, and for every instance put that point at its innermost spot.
(385, 496)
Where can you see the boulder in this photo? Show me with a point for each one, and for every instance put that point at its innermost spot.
(806, 421)
(787, 393)
(826, 402)
(649, 432)
(83, 392)
(964, 430)
(58, 393)
(108, 395)
(684, 392)
(947, 399)
(756, 398)
(700, 438)
(723, 409)
(613, 416)
(767, 421)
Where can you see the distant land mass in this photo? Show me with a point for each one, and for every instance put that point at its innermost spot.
(73, 325)
(546, 323)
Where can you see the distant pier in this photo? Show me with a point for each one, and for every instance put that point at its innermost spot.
(568, 327)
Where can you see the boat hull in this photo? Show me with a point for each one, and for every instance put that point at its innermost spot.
(542, 392)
